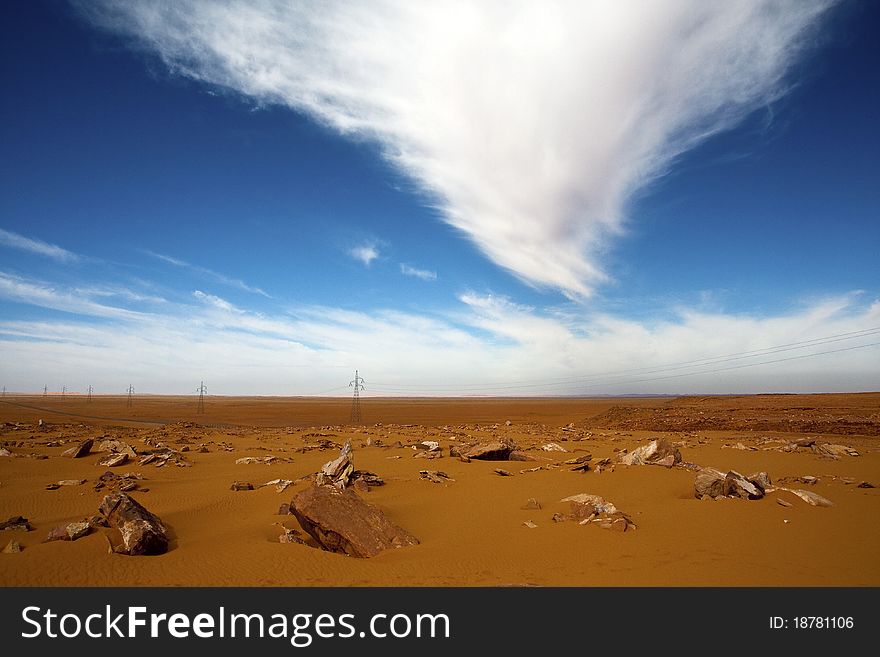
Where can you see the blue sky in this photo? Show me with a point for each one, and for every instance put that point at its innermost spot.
(558, 199)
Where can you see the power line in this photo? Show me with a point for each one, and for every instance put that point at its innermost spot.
(358, 385)
(703, 362)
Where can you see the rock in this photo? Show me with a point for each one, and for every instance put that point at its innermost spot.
(428, 445)
(71, 482)
(761, 480)
(361, 486)
(802, 442)
(782, 502)
(281, 485)
(736, 485)
(655, 452)
(371, 479)
(530, 524)
(117, 446)
(284, 510)
(52, 486)
(531, 504)
(866, 484)
(340, 521)
(82, 449)
(709, 481)
(5, 452)
(142, 532)
(437, 476)
(558, 517)
(291, 536)
(520, 456)
(553, 447)
(113, 460)
(597, 503)
(338, 471)
(240, 485)
(16, 523)
(502, 473)
(581, 459)
(12, 547)
(69, 532)
(247, 460)
(619, 525)
(830, 449)
(811, 498)
(498, 450)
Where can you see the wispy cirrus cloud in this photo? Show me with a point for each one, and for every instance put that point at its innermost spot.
(32, 245)
(208, 273)
(365, 253)
(532, 125)
(424, 274)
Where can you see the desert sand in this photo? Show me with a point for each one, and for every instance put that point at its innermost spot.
(472, 530)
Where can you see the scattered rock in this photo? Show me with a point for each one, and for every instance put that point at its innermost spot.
(247, 460)
(241, 485)
(16, 523)
(866, 484)
(657, 452)
(811, 498)
(598, 504)
(531, 504)
(284, 510)
(5, 452)
(782, 502)
(760, 479)
(142, 532)
(69, 532)
(736, 485)
(530, 524)
(113, 460)
(371, 479)
(337, 472)
(117, 446)
(80, 450)
(291, 536)
(12, 547)
(520, 456)
(498, 450)
(340, 521)
(830, 449)
(437, 476)
(709, 482)
(281, 485)
(502, 473)
(361, 486)
(558, 517)
(553, 447)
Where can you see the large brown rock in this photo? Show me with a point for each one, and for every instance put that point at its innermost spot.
(736, 485)
(337, 472)
(497, 450)
(709, 481)
(142, 532)
(79, 450)
(658, 452)
(340, 521)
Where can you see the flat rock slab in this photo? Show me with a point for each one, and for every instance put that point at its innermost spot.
(16, 523)
(497, 450)
(142, 532)
(340, 521)
(658, 452)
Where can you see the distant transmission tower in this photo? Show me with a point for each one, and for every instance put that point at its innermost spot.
(358, 385)
(130, 393)
(89, 398)
(63, 391)
(45, 391)
(4, 391)
(202, 390)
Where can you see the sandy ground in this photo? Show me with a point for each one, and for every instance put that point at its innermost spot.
(472, 530)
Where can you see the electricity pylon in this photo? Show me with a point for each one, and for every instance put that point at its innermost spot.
(130, 393)
(358, 385)
(202, 390)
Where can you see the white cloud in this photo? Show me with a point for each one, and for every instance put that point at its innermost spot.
(365, 253)
(209, 273)
(532, 124)
(424, 274)
(485, 345)
(16, 241)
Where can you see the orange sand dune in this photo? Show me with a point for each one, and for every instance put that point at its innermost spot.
(471, 530)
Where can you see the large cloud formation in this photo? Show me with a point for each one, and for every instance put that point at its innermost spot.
(530, 124)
